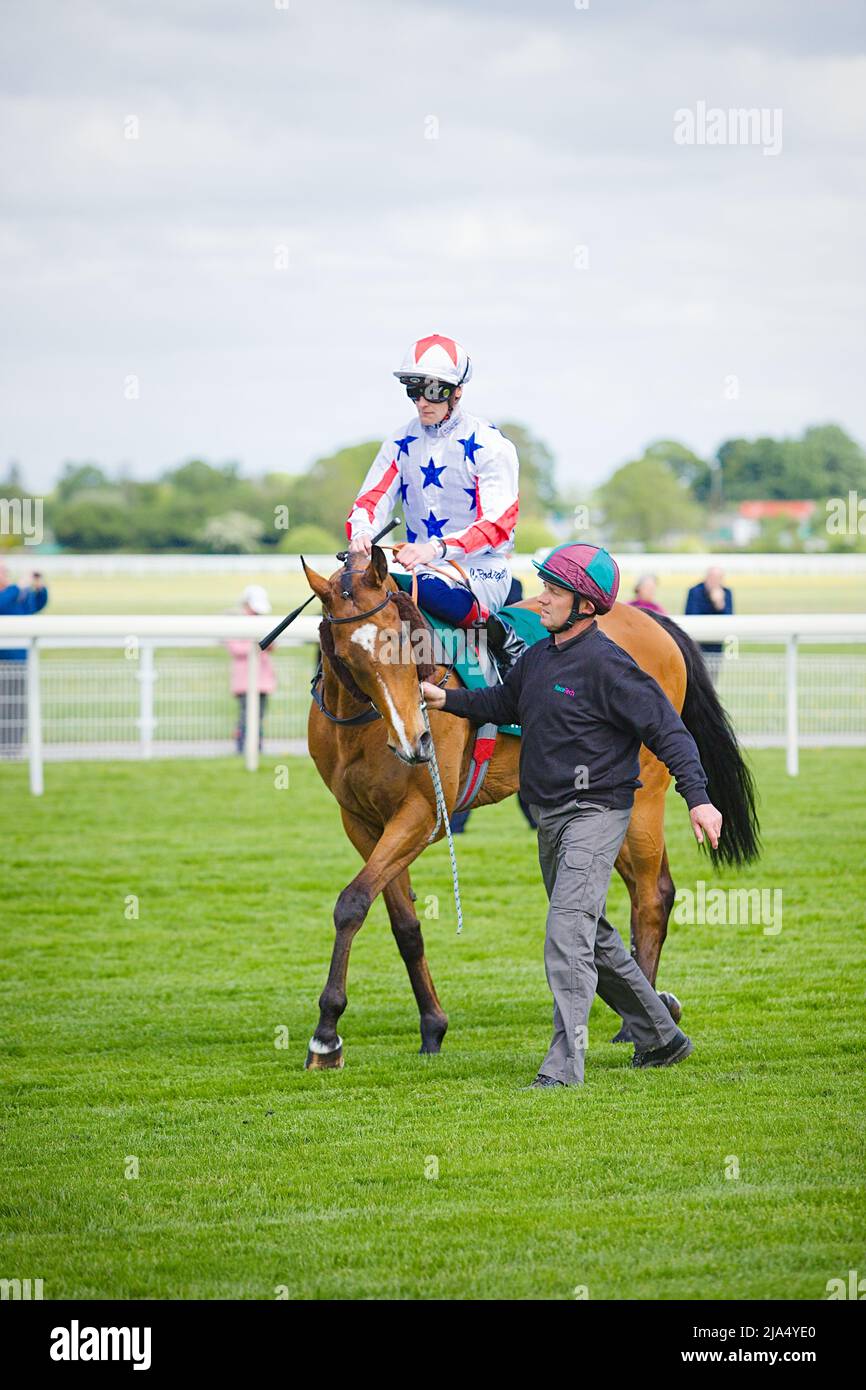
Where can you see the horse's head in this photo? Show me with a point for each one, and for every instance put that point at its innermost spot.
(379, 645)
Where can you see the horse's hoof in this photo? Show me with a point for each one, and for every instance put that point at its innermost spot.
(433, 1029)
(623, 1036)
(322, 1058)
(672, 1004)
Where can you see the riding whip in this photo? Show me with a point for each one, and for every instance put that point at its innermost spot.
(281, 627)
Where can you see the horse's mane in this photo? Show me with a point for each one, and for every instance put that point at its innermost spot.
(417, 623)
(409, 612)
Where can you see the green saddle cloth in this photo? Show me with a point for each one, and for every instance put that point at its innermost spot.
(527, 624)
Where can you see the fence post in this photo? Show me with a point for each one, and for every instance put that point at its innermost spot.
(792, 749)
(251, 741)
(146, 679)
(34, 718)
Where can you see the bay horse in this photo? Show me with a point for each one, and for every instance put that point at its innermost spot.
(367, 737)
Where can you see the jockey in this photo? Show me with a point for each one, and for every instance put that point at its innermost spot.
(456, 477)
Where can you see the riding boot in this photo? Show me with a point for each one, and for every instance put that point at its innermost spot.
(503, 642)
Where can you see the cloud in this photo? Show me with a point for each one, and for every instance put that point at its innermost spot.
(307, 129)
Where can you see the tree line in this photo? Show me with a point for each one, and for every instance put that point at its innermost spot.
(669, 492)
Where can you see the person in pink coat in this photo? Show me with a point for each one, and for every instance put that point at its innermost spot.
(645, 595)
(253, 600)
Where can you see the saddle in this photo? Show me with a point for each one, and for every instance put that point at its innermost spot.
(483, 664)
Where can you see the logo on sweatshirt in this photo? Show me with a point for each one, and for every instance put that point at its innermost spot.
(564, 690)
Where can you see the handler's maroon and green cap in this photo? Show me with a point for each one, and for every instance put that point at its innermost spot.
(588, 570)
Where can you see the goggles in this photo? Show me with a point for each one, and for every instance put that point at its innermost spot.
(428, 387)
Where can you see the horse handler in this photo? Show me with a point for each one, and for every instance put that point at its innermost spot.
(585, 708)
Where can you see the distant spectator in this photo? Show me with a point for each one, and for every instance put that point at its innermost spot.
(711, 597)
(645, 595)
(16, 602)
(254, 600)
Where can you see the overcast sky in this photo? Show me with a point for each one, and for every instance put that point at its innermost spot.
(307, 127)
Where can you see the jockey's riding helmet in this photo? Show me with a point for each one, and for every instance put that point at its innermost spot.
(432, 365)
(588, 570)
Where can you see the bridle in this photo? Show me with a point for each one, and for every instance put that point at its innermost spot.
(368, 715)
(347, 590)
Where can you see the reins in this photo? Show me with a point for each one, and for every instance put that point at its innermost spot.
(442, 814)
(367, 716)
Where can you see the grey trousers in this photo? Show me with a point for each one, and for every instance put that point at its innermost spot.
(577, 847)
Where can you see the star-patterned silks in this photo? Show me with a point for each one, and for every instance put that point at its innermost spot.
(438, 491)
(431, 473)
(470, 448)
(434, 527)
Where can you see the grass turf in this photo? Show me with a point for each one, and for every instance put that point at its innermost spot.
(153, 1038)
(216, 591)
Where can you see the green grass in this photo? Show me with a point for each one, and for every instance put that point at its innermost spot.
(212, 593)
(154, 1038)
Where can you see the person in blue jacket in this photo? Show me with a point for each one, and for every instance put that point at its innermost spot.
(708, 597)
(16, 602)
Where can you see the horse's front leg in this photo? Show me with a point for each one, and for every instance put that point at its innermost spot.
(325, 1049)
(400, 902)
(403, 838)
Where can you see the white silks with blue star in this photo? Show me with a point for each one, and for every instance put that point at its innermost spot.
(458, 481)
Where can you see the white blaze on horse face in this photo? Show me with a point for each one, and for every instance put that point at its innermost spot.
(365, 636)
(396, 721)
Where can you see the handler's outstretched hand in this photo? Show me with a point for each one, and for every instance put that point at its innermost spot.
(433, 694)
(706, 819)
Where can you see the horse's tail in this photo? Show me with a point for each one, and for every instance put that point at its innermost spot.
(730, 785)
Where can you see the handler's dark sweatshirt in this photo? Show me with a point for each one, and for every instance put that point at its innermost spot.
(585, 708)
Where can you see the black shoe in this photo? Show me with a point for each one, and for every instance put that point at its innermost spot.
(503, 642)
(677, 1050)
(542, 1080)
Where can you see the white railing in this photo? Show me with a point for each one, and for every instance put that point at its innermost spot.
(67, 564)
(136, 686)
